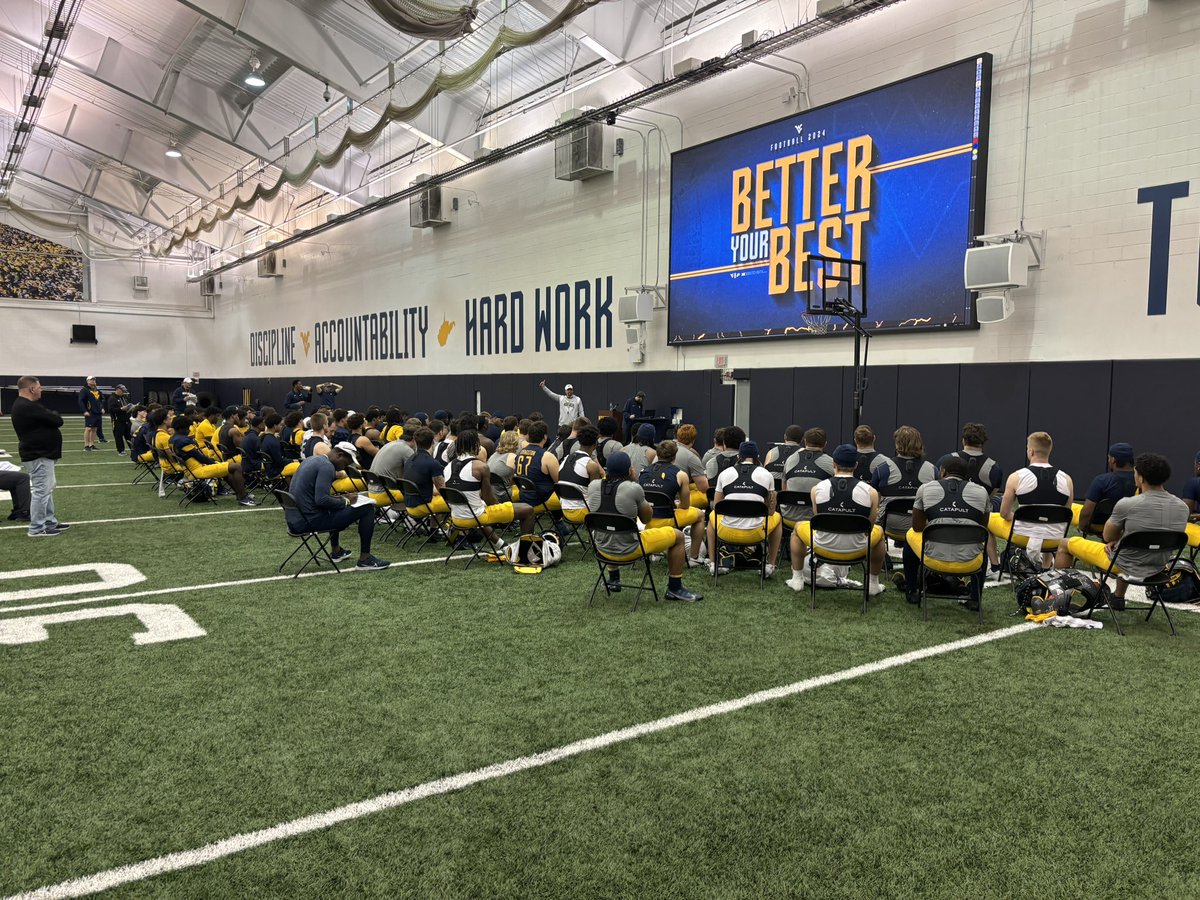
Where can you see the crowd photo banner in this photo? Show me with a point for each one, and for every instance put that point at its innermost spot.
(894, 177)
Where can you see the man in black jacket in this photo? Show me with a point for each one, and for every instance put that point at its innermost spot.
(39, 437)
(118, 407)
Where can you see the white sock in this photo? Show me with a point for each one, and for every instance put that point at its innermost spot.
(798, 574)
(873, 581)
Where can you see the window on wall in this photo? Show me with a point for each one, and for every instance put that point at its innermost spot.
(33, 268)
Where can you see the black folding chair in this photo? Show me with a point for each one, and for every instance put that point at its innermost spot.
(1101, 513)
(1034, 514)
(1158, 541)
(799, 499)
(614, 524)
(432, 525)
(288, 502)
(528, 488)
(196, 490)
(840, 523)
(457, 498)
(144, 470)
(953, 535)
(574, 493)
(895, 515)
(743, 509)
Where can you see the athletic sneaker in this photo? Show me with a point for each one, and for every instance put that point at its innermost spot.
(373, 562)
(683, 594)
(797, 582)
(104, 440)
(848, 583)
(970, 604)
(60, 526)
(770, 570)
(45, 532)
(613, 585)
(340, 555)
(874, 590)
(696, 563)
(247, 501)
(720, 570)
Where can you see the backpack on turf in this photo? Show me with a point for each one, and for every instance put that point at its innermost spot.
(1182, 587)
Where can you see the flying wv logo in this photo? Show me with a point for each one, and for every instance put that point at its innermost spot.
(799, 128)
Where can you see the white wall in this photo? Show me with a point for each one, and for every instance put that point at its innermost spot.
(1114, 106)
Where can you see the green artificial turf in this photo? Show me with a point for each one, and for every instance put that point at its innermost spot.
(1051, 763)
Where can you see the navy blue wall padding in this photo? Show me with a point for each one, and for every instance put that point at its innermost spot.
(771, 405)
(1152, 408)
(879, 410)
(1071, 401)
(998, 396)
(927, 399)
(817, 399)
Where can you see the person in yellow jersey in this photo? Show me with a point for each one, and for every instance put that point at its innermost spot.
(393, 430)
(188, 454)
(206, 433)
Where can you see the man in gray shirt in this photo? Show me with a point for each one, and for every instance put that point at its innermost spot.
(1153, 509)
(392, 457)
(619, 494)
(570, 407)
(951, 500)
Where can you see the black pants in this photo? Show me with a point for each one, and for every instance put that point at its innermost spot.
(336, 522)
(123, 433)
(912, 574)
(17, 484)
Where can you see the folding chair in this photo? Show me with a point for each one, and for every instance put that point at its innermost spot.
(1161, 541)
(840, 523)
(191, 489)
(956, 535)
(791, 498)
(416, 524)
(288, 502)
(1101, 513)
(743, 509)
(573, 492)
(144, 470)
(611, 524)
(458, 498)
(1035, 514)
(375, 488)
(500, 487)
(259, 480)
(526, 485)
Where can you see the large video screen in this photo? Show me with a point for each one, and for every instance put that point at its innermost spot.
(894, 177)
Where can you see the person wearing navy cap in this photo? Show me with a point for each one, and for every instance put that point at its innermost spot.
(618, 494)
(1115, 484)
(846, 494)
(746, 479)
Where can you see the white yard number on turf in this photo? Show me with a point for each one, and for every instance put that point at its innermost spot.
(163, 622)
(112, 576)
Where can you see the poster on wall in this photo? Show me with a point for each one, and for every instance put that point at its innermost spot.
(33, 268)
(894, 177)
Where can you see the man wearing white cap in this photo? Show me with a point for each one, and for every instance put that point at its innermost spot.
(180, 396)
(570, 407)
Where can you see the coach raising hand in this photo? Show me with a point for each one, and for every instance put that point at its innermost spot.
(570, 407)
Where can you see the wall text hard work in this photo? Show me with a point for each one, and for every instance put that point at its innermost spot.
(574, 315)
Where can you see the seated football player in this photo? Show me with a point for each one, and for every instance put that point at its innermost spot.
(901, 476)
(793, 437)
(206, 433)
(665, 477)
(608, 444)
(745, 479)
(468, 474)
(348, 481)
(869, 459)
(391, 460)
(424, 472)
(847, 495)
(321, 510)
(1115, 484)
(689, 460)
(16, 482)
(724, 454)
(802, 470)
(251, 443)
(951, 500)
(1191, 498)
(270, 448)
(985, 472)
(541, 468)
(1151, 509)
(1037, 483)
(641, 449)
(718, 445)
(341, 429)
(161, 423)
(201, 467)
(143, 440)
(580, 469)
(501, 462)
(230, 434)
(366, 448)
(618, 494)
(394, 426)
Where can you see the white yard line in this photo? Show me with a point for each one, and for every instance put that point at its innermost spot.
(182, 515)
(239, 843)
(347, 567)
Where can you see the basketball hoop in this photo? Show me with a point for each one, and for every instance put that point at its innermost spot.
(815, 323)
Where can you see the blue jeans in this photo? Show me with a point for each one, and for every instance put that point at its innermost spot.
(41, 494)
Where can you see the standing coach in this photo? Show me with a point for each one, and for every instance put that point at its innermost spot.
(39, 437)
(570, 407)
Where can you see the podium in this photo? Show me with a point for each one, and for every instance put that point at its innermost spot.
(660, 424)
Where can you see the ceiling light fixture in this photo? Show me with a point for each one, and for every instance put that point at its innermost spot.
(173, 150)
(255, 80)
